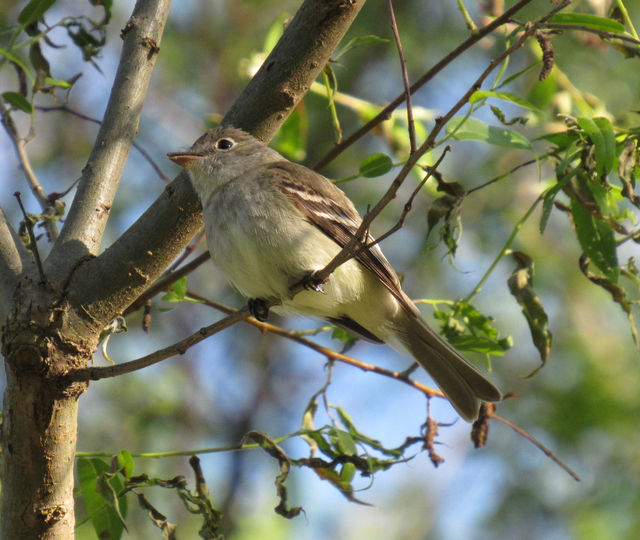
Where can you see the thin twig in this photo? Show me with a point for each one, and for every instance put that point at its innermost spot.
(385, 113)
(504, 175)
(405, 78)
(407, 207)
(32, 237)
(295, 336)
(538, 444)
(97, 373)
(39, 193)
(353, 246)
(601, 33)
(188, 251)
(143, 152)
(163, 283)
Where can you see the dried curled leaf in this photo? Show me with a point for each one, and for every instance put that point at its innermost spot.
(269, 446)
(480, 428)
(547, 55)
(521, 287)
(618, 294)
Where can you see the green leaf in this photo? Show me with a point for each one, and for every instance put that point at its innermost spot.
(468, 329)
(608, 151)
(358, 42)
(177, 292)
(479, 95)
(597, 240)
(324, 445)
(347, 473)
(291, 137)
(342, 441)
(105, 520)
(463, 128)
(56, 82)
(34, 10)
(375, 165)
(274, 33)
(543, 92)
(601, 134)
(591, 21)
(125, 463)
(18, 101)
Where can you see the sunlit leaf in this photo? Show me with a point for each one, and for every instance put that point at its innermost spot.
(479, 95)
(588, 20)
(463, 128)
(358, 42)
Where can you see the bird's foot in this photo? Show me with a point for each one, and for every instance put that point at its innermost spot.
(312, 283)
(259, 308)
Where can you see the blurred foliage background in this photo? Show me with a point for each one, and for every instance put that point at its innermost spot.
(584, 404)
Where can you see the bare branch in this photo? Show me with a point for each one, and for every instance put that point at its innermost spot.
(97, 373)
(295, 62)
(603, 34)
(430, 74)
(137, 146)
(354, 245)
(402, 376)
(39, 193)
(32, 238)
(233, 316)
(536, 443)
(14, 260)
(85, 224)
(166, 280)
(405, 79)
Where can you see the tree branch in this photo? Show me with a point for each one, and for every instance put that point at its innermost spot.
(430, 74)
(137, 146)
(295, 62)
(405, 78)
(356, 242)
(107, 285)
(40, 194)
(14, 260)
(87, 219)
(233, 316)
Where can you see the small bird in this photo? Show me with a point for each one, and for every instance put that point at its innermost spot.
(271, 223)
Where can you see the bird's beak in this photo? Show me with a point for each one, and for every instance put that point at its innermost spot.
(186, 160)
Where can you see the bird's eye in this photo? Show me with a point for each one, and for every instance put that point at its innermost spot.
(224, 144)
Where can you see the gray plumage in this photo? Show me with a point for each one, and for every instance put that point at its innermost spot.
(270, 222)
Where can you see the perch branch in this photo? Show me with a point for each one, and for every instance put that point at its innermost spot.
(88, 215)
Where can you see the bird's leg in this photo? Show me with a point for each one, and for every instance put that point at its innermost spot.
(312, 283)
(259, 308)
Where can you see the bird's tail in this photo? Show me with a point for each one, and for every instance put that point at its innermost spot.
(462, 383)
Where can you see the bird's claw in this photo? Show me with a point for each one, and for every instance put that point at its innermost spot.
(259, 308)
(312, 283)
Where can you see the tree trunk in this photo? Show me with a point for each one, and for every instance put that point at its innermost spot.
(39, 428)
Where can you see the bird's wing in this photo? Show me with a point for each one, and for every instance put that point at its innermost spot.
(331, 211)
